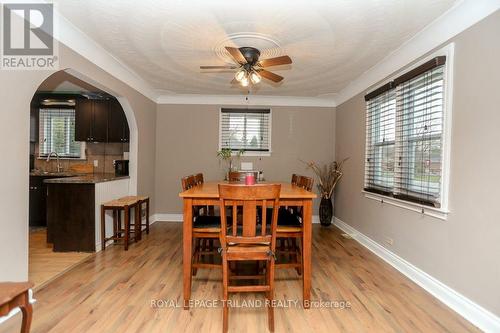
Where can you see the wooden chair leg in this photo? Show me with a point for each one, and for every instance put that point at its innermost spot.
(299, 256)
(196, 255)
(103, 228)
(27, 311)
(270, 294)
(225, 294)
(127, 226)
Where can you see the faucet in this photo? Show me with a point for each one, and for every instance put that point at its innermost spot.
(59, 167)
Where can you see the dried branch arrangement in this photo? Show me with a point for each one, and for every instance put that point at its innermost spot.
(328, 176)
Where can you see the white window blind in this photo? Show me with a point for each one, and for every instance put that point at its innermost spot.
(419, 129)
(245, 129)
(57, 133)
(405, 120)
(381, 140)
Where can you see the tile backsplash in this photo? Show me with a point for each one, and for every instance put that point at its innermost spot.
(104, 153)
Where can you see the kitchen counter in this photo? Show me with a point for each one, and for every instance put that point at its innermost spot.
(86, 179)
(74, 209)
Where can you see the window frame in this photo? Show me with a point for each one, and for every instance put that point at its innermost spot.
(245, 109)
(64, 157)
(443, 211)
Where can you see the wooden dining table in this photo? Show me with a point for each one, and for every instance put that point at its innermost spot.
(207, 194)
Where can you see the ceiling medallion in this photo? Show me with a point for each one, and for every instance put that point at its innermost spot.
(268, 46)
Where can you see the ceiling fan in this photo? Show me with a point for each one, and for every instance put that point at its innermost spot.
(250, 68)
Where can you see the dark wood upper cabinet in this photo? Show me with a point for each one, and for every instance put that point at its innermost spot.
(118, 130)
(100, 120)
(83, 120)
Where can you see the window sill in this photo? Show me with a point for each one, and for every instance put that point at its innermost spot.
(439, 213)
(256, 153)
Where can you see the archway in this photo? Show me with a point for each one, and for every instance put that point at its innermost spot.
(66, 82)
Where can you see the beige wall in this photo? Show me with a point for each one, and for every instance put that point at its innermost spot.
(463, 251)
(187, 139)
(17, 90)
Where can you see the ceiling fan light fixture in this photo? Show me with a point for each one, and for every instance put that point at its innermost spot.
(245, 81)
(240, 75)
(255, 77)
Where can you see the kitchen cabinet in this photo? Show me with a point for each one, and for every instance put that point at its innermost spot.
(100, 121)
(91, 120)
(118, 130)
(37, 202)
(71, 217)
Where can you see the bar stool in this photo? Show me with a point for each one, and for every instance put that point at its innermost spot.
(117, 206)
(142, 203)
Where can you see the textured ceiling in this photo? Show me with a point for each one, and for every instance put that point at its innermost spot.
(330, 42)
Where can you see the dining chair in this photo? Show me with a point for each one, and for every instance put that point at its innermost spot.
(198, 178)
(248, 241)
(289, 229)
(239, 176)
(206, 228)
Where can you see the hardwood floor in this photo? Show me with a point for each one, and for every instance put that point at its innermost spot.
(44, 264)
(112, 292)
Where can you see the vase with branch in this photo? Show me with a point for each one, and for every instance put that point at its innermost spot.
(328, 176)
(227, 154)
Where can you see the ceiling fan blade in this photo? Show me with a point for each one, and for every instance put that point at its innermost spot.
(219, 67)
(283, 60)
(270, 75)
(236, 54)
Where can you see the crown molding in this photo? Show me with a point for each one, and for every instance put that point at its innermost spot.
(457, 19)
(68, 34)
(242, 100)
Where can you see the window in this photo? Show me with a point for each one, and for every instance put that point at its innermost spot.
(245, 129)
(57, 133)
(404, 136)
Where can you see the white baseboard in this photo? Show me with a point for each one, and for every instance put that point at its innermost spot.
(159, 217)
(179, 218)
(477, 315)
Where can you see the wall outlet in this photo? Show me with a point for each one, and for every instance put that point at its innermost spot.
(389, 240)
(96, 163)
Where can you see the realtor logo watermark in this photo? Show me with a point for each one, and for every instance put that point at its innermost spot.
(27, 37)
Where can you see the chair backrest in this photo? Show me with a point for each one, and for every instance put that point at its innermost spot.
(188, 182)
(251, 198)
(199, 178)
(239, 176)
(305, 182)
(295, 179)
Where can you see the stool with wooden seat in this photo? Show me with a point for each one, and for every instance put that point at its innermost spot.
(16, 295)
(206, 228)
(142, 203)
(289, 228)
(124, 204)
(249, 241)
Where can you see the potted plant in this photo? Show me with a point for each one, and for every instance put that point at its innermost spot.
(227, 154)
(328, 176)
